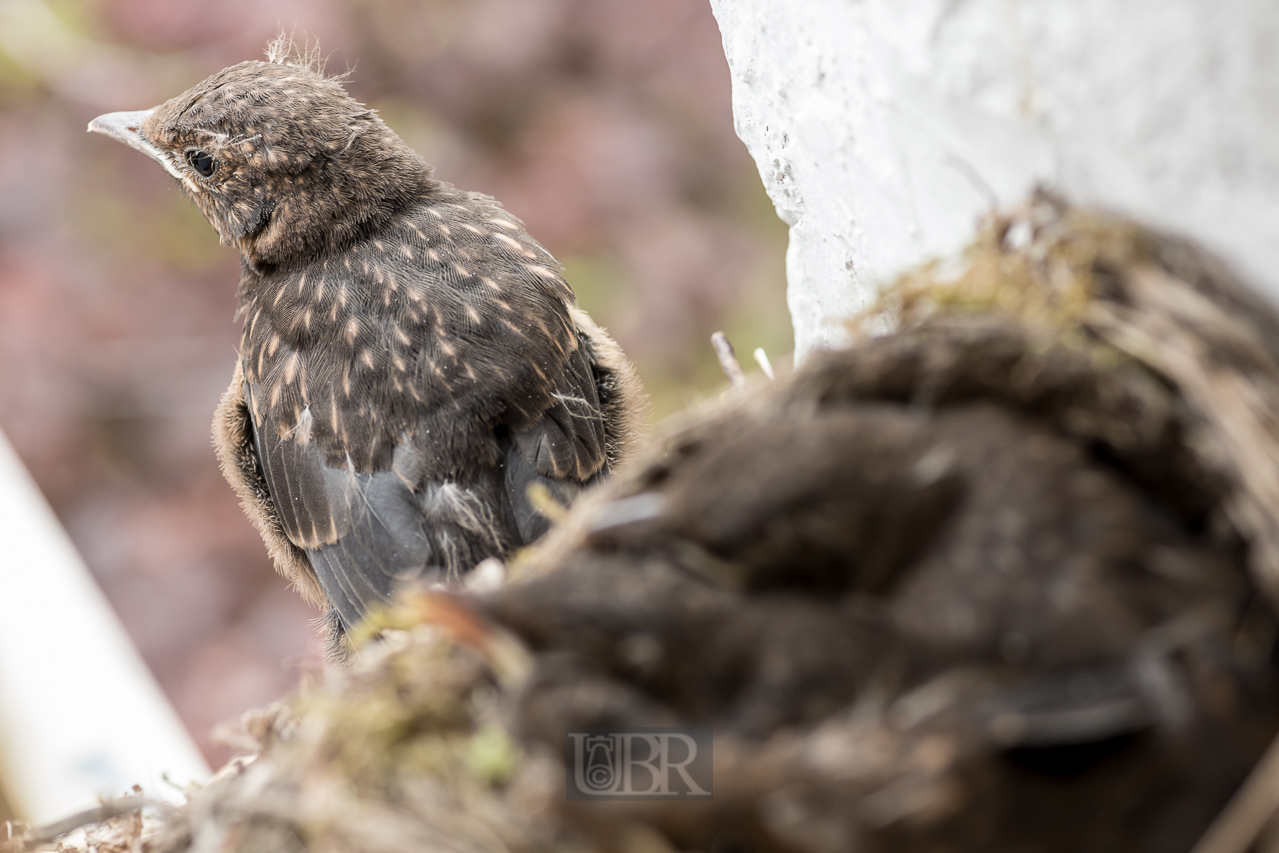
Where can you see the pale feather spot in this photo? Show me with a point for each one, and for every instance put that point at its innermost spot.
(472, 314)
(367, 358)
(444, 229)
(398, 361)
(377, 244)
(346, 380)
(462, 271)
(301, 283)
(542, 271)
(447, 348)
(433, 255)
(435, 213)
(290, 367)
(406, 252)
(346, 262)
(471, 228)
(489, 283)
(513, 244)
(352, 330)
(273, 345)
(503, 222)
(402, 336)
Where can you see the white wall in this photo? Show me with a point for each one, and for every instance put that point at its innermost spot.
(882, 127)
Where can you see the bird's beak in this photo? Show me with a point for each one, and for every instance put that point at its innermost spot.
(127, 128)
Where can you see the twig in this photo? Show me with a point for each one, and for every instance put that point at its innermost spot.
(1246, 815)
(51, 832)
(728, 360)
(761, 358)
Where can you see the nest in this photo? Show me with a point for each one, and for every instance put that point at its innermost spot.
(1001, 579)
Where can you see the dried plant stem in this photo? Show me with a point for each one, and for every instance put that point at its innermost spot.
(1248, 812)
(728, 360)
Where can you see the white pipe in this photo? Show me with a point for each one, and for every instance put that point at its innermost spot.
(81, 716)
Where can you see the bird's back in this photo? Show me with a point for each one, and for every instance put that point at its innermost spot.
(406, 391)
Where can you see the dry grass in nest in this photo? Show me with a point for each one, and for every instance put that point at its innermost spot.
(1112, 337)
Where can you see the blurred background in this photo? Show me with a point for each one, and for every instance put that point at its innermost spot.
(605, 124)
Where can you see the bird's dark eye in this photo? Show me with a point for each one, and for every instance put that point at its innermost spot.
(202, 162)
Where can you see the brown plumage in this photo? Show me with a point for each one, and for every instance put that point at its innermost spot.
(411, 361)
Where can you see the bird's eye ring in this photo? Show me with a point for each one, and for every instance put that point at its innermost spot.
(202, 161)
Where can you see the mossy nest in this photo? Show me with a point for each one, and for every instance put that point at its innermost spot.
(1000, 579)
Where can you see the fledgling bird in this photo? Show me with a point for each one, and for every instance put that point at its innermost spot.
(411, 361)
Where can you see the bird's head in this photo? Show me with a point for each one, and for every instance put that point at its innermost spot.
(279, 158)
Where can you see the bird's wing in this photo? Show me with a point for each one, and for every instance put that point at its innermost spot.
(365, 532)
(562, 451)
(234, 442)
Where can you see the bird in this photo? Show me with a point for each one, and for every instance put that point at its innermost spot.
(412, 361)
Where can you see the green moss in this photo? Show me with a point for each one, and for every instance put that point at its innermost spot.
(492, 755)
(1049, 283)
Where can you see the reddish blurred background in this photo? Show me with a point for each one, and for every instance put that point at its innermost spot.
(605, 124)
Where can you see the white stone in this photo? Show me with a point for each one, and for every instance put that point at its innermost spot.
(883, 129)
